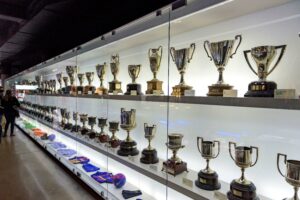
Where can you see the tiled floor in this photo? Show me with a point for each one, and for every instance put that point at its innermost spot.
(27, 173)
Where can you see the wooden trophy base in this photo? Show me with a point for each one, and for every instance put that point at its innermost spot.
(128, 148)
(92, 134)
(178, 90)
(103, 138)
(217, 89)
(261, 89)
(149, 156)
(84, 131)
(114, 143)
(75, 128)
(134, 87)
(208, 181)
(101, 91)
(242, 192)
(154, 85)
(89, 90)
(68, 126)
(115, 87)
(174, 168)
(80, 90)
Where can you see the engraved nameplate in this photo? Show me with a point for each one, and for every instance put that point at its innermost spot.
(285, 94)
(189, 93)
(188, 182)
(230, 93)
(90, 92)
(133, 92)
(79, 92)
(115, 92)
(156, 92)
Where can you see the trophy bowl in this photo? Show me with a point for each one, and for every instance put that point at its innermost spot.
(114, 142)
(101, 70)
(134, 71)
(149, 154)
(103, 137)
(115, 85)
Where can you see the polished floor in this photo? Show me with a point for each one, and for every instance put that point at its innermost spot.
(27, 173)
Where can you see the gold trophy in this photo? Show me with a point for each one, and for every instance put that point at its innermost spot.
(263, 57)
(59, 80)
(83, 119)
(101, 69)
(89, 89)
(92, 132)
(242, 188)
(72, 71)
(155, 56)
(80, 88)
(115, 85)
(149, 154)
(134, 71)
(292, 174)
(128, 146)
(208, 178)
(103, 137)
(220, 52)
(175, 165)
(181, 58)
(114, 142)
(76, 127)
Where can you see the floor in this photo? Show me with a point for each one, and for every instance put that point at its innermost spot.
(28, 173)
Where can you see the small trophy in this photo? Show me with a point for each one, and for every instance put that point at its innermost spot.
(220, 52)
(101, 69)
(53, 86)
(208, 178)
(72, 71)
(292, 174)
(92, 122)
(68, 125)
(52, 108)
(242, 188)
(114, 142)
(115, 85)
(76, 127)
(59, 80)
(155, 85)
(65, 89)
(263, 57)
(39, 80)
(83, 119)
(134, 71)
(80, 88)
(175, 165)
(89, 89)
(149, 154)
(128, 146)
(181, 58)
(63, 114)
(103, 137)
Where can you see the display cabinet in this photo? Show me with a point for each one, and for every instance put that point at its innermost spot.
(192, 102)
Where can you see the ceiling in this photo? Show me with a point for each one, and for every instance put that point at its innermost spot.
(32, 31)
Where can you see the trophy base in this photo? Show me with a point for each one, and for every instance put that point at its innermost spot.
(178, 90)
(128, 148)
(261, 89)
(134, 87)
(174, 168)
(154, 85)
(84, 131)
(70, 90)
(115, 86)
(75, 128)
(103, 138)
(242, 192)
(89, 90)
(217, 89)
(114, 143)
(101, 91)
(92, 135)
(149, 156)
(80, 90)
(208, 181)
(68, 126)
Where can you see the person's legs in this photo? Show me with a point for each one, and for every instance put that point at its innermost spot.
(8, 120)
(12, 126)
(0, 128)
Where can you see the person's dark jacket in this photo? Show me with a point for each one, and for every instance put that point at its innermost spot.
(10, 106)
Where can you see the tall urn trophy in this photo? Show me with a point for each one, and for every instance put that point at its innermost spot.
(181, 58)
(80, 88)
(292, 174)
(133, 87)
(242, 188)
(149, 154)
(128, 147)
(220, 52)
(155, 86)
(208, 178)
(89, 89)
(263, 57)
(115, 85)
(101, 69)
(71, 71)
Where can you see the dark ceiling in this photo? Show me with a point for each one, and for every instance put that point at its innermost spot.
(32, 31)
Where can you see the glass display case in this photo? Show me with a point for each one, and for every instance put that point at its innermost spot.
(192, 102)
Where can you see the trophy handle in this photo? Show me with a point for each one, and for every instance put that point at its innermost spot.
(160, 49)
(201, 139)
(278, 158)
(206, 43)
(247, 60)
(237, 37)
(172, 52)
(282, 47)
(230, 144)
(256, 149)
(193, 47)
(217, 142)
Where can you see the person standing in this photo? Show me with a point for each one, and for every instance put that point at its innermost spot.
(1, 112)
(11, 105)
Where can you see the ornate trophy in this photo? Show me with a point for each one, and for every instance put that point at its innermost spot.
(101, 69)
(220, 53)
(59, 80)
(92, 132)
(242, 188)
(63, 115)
(263, 57)
(128, 146)
(155, 56)
(80, 88)
(76, 127)
(68, 125)
(181, 58)
(174, 165)
(292, 174)
(89, 89)
(134, 71)
(149, 154)
(83, 119)
(114, 142)
(39, 80)
(115, 85)
(208, 178)
(65, 89)
(71, 71)
(103, 137)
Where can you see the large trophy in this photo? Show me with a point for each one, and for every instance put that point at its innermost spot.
(76, 127)
(115, 85)
(65, 89)
(83, 119)
(114, 142)
(263, 57)
(103, 137)
(175, 165)
(292, 174)
(89, 89)
(181, 58)
(92, 132)
(134, 71)
(71, 71)
(220, 52)
(149, 154)
(59, 78)
(242, 188)
(208, 178)
(101, 69)
(128, 146)
(155, 85)
(80, 88)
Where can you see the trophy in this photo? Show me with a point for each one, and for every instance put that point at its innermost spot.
(68, 125)
(155, 60)
(134, 71)
(149, 154)
(53, 86)
(59, 80)
(72, 71)
(128, 146)
(220, 52)
(103, 137)
(100, 69)
(39, 80)
(115, 85)
(263, 57)
(292, 174)
(89, 89)
(83, 119)
(92, 122)
(65, 89)
(63, 115)
(242, 188)
(181, 58)
(174, 165)
(80, 88)
(208, 178)
(52, 108)
(114, 142)
(76, 127)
